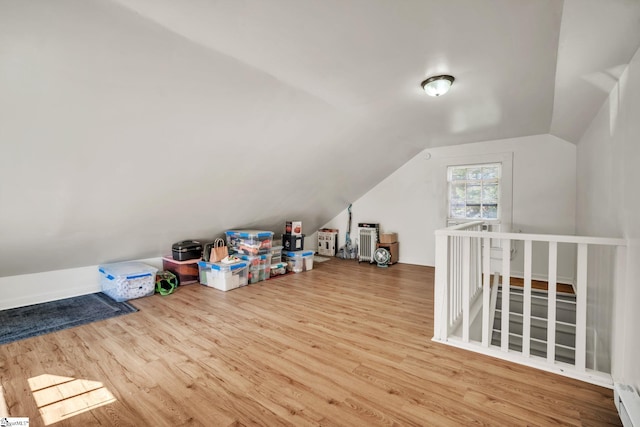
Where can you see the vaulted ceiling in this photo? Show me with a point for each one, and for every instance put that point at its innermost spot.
(126, 125)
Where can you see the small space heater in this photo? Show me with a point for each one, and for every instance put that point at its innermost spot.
(368, 237)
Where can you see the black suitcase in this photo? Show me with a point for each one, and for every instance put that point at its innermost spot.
(186, 250)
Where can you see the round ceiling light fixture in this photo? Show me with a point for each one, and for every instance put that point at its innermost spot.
(437, 85)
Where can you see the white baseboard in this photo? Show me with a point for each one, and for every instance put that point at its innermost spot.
(28, 289)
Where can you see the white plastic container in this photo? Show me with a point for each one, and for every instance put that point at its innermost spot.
(223, 277)
(299, 261)
(123, 281)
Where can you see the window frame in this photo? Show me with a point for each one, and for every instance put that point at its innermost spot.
(503, 224)
(481, 182)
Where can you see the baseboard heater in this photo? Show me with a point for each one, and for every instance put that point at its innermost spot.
(627, 403)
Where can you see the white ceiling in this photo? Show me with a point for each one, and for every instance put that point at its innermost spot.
(520, 65)
(366, 58)
(126, 125)
(597, 40)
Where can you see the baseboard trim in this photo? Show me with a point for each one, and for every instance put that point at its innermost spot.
(35, 288)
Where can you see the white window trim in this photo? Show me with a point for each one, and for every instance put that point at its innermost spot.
(506, 185)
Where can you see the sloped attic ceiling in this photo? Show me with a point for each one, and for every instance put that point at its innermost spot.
(126, 125)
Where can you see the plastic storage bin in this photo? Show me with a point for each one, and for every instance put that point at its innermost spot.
(127, 280)
(259, 266)
(278, 269)
(276, 254)
(223, 277)
(299, 261)
(249, 242)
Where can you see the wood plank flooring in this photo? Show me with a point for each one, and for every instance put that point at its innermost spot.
(541, 285)
(344, 344)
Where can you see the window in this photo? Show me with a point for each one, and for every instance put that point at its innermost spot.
(474, 191)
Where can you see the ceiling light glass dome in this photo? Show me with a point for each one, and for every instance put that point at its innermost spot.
(437, 85)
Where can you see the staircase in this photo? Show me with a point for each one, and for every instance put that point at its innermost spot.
(565, 323)
(577, 344)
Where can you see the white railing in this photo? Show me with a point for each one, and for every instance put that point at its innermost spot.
(463, 290)
(464, 277)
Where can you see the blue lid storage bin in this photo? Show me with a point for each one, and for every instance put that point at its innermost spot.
(123, 281)
(299, 261)
(249, 242)
(259, 266)
(223, 277)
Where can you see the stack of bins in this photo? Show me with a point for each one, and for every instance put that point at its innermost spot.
(259, 266)
(276, 254)
(299, 261)
(278, 267)
(253, 246)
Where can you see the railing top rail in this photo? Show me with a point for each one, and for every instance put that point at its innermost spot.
(464, 225)
(610, 241)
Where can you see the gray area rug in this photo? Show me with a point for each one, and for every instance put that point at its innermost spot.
(39, 319)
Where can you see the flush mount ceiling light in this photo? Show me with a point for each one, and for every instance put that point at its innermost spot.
(437, 85)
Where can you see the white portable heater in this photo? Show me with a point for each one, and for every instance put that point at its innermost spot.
(368, 239)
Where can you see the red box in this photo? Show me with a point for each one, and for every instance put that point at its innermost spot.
(187, 272)
(293, 227)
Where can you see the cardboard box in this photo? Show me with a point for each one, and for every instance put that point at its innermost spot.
(293, 227)
(388, 237)
(393, 250)
(327, 241)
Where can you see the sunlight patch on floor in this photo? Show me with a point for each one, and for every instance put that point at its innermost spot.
(59, 398)
(4, 412)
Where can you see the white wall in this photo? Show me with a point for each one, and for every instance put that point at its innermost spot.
(35, 288)
(608, 203)
(119, 137)
(412, 200)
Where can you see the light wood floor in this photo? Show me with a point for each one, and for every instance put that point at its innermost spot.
(541, 285)
(344, 344)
